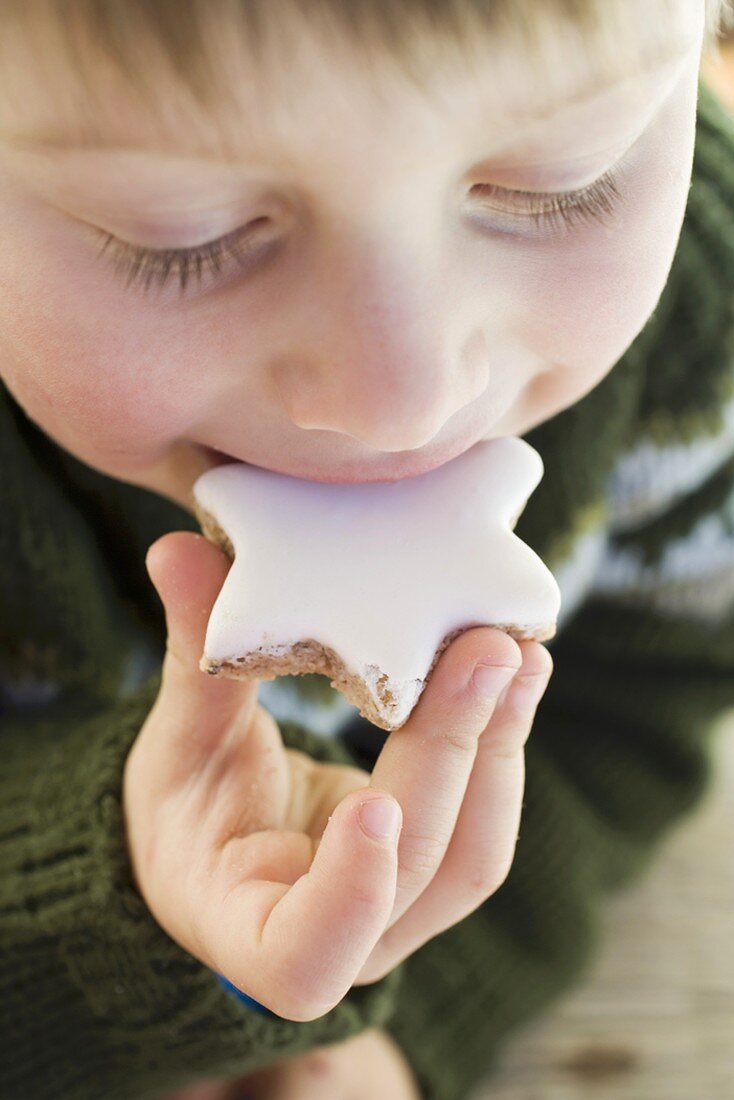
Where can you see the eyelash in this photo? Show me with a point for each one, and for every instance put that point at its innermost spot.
(597, 202)
(564, 210)
(134, 264)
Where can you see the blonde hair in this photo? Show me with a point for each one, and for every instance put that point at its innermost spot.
(187, 37)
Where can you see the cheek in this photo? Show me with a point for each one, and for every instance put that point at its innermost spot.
(98, 374)
(592, 298)
(88, 397)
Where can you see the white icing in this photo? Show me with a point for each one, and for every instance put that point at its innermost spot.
(380, 572)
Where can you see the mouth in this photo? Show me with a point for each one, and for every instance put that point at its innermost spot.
(415, 467)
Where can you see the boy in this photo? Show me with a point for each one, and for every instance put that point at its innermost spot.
(520, 219)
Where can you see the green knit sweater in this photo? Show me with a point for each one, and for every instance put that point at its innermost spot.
(634, 515)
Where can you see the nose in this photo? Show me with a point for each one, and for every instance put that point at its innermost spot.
(381, 359)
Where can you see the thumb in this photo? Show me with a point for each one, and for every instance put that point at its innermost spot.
(188, 572)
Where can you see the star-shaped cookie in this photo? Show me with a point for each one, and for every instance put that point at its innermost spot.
(367, 583)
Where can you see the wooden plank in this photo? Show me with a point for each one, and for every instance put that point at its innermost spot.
(654, 1017)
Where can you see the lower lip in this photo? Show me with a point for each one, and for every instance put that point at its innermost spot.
(414, 470)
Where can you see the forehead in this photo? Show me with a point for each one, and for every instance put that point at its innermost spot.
(306, 81)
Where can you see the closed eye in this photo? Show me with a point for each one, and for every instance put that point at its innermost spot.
(598, 202)
(134, 264)
(148, 266)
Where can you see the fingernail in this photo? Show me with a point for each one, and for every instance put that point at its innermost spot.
(490, 679)
(380, 818)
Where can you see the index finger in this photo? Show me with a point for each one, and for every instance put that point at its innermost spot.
(188, 571)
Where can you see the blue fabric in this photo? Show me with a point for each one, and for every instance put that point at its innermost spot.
(249, 1001)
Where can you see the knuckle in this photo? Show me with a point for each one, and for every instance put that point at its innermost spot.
(361, 899)
(461, 739)
(510, 745)
(485, 878)
(533, 680)
(299, 996)
(418, 858)
(173, 659)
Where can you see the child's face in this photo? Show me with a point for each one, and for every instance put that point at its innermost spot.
(384, 320)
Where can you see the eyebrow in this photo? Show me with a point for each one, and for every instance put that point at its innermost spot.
(92, 137)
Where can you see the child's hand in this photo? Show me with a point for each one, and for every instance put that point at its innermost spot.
(225, 825)
(367, 1066)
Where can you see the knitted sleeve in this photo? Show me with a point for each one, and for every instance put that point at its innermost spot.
(95, 999)
(619, 752)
